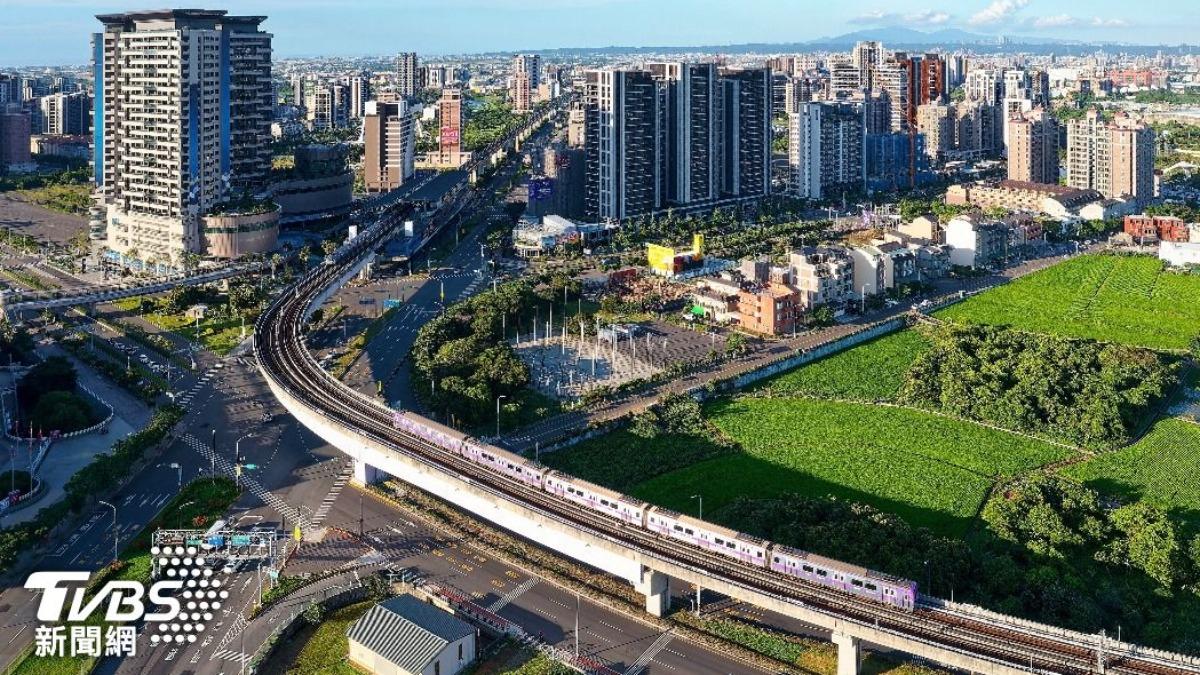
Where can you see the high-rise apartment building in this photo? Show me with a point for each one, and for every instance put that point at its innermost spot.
(746, 132)
(450, 121)
(867, 57)
(65, 114)
(893, 80)
(1033, 147)
(407, 76)
(184, 101)
(978, 128)
(622, 144)
(984, 85)
(389, 136)
(297, 89)
(524, 81)
(1115, 158)
(691, 157)
(825, 150)
(14, 136)
(360, 93)
(436, 77)
(327, 106)
(797, 90)
(935, 121)
(844, 77)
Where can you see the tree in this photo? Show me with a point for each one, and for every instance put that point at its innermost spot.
(1147, 541)
(735, 344)
(244, 297)
(63, 411)
(329, 246)
(54, 374)
(276, 260)
(314, 613)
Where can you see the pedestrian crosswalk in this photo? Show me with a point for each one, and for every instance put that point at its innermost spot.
(504, 600)
(647, 656)
(231, 655)
(293, 515)
(327, 503)
(186, 397)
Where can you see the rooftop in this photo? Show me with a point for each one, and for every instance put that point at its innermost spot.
(407, 632)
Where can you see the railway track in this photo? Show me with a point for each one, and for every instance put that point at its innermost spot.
(285, 360)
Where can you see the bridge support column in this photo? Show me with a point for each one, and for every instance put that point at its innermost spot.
(365, 474)
(656, 586)
(473, 177)
(848, 654)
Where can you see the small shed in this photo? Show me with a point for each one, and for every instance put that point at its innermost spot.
(404, 636)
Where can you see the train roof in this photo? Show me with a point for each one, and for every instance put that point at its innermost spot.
(425, 421)
(711, 527)
(598, 489)
(843, 566)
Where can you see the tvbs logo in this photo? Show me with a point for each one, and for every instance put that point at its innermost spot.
(175, 609)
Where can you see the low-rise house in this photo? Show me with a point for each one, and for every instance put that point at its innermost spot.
(717, 299)
(879, 267)
(974, 242)
(1150, 229)
(924, 227)
(769, 309)
(404, 636)
(824, 275)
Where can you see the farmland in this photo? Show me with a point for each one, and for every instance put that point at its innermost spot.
(1161, 468)
(871, 371)
(932, 471)
(1126, 299)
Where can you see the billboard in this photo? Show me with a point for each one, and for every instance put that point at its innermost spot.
(449, 134)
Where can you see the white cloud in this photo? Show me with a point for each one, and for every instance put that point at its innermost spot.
(1056, 21)
(928, 17)
(997, 11)
(1100, 22)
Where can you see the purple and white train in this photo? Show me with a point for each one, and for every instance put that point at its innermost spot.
(632, 512)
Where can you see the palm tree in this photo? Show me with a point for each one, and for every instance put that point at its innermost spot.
(276, 259)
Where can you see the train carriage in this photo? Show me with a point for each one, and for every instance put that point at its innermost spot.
(715, 538)
(595, 497)
(845, 577)
(505, 462)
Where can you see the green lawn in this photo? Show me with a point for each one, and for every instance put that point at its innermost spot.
(931, 471)
(1162, 468)
(870, 371)
(219, 334)
(327, 648)
(1124, 299)
(621, 460)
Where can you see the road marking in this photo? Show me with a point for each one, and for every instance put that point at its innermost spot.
(652, 651)
(515, 593)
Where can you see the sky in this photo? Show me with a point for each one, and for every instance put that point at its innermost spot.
(56, 32)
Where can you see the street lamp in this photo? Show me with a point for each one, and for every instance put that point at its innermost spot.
(237, 460)
(178, 470)
(498, 398)
(114, 528)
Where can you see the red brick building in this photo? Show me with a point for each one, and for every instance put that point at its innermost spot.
(773, 309)
(1160, 228)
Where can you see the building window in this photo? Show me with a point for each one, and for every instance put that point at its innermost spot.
(460, 651)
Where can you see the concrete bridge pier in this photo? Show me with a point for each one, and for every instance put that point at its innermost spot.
(365, 474)
(848, 654)
(473, 177)
(656, 586)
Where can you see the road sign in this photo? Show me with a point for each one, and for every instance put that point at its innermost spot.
(391, 303)
(297, 534)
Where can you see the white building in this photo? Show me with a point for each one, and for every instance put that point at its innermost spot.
(974, 243)
(1179, 254)
(404, 636)
(186, 101)
(879, 267)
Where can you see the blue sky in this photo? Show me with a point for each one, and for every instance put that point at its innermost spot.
(56, 31)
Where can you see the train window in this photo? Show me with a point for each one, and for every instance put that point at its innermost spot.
(678, 528)
(808, 568)
(758, 554)
(604, 502)
(719, 540)
(731, 545)
(856, 582)
(776, 558)
(872, 587)
(689, 531)
(822, 573)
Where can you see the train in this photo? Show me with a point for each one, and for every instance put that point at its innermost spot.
(631, 512)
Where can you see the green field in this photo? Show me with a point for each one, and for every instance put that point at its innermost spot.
(870, 371)
(1125, 299)
(1162, 468)
(933, 472)
(326, 649)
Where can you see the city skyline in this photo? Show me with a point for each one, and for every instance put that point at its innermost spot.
(371, 27)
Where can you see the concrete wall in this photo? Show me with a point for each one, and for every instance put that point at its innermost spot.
(236, 235)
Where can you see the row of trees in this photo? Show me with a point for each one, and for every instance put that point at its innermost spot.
(1086, 392)
(1050, 552)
